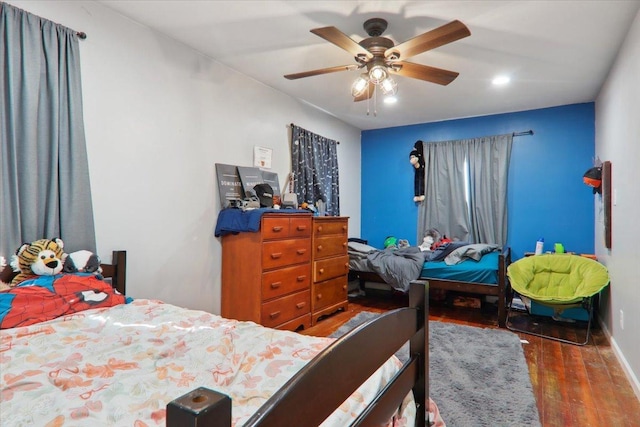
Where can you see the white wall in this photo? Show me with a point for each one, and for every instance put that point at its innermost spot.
(618, 140)
(158, 116)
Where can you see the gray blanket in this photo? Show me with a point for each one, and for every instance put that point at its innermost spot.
(398, 267)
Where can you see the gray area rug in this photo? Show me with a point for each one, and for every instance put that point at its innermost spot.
(477, 377)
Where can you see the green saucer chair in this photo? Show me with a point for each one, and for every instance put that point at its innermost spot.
(558, 281)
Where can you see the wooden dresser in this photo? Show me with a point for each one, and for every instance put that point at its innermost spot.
(266, 275)
(330, 265)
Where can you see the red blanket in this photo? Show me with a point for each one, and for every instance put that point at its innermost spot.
(47, 297)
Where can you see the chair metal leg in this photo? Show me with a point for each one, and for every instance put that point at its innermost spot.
(589, 309)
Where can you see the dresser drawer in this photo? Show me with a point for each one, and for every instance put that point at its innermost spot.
(330, 226)
(324, 247)
(276, 227)
(285, 280)
(300, 227)
(286, 308)
(328, 293)
(281, 253)
(326, 269)
(283, 226)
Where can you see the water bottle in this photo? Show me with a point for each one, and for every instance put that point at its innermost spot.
(539, 246)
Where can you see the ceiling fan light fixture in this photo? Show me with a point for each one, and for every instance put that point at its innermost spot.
(501, 80)
(380, 57)
(378, 73)
(360, 85)
(389, 87)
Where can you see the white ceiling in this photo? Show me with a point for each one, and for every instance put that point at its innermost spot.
(556, 52)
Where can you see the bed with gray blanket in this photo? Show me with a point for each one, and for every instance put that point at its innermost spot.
(456, 266)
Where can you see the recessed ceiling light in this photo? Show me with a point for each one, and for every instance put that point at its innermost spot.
(390, 100)
(501, 80)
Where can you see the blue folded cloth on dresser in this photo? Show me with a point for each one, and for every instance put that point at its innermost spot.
(234, 220)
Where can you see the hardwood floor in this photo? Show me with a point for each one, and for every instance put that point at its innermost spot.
(574, 385)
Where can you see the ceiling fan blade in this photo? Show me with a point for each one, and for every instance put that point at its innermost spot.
(321, 71)
(366, 94)
(454, 30)
(424, 72)
(340, 39)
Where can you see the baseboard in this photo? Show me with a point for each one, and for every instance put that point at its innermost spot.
(635, 384)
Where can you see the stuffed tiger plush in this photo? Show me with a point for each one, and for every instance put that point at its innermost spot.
(44, 257)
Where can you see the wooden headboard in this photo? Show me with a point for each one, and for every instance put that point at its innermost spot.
(116, 271)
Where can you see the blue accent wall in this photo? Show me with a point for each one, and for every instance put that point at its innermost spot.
(546, 195)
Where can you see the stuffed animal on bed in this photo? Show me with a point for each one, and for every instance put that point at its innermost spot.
(433, 239)
(82, 262)
(44, 257)
(416, 158)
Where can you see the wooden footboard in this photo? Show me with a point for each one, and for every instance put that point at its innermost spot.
(310, 396)
(501, 290)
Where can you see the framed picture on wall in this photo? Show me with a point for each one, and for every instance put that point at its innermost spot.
(262, 157)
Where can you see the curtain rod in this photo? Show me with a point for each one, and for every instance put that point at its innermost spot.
(526, 132)
(79, 34)
(290, 126)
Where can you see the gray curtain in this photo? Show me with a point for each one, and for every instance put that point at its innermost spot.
(466, 189)
(44, 187)
(314, 162)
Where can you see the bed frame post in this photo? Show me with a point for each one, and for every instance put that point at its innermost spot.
(201, 407)
(119, 279)
(503, 262)
(419, 344)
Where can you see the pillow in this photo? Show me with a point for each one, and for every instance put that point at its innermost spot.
(361, 247)
(474, 252)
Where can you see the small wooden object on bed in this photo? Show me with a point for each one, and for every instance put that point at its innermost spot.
(311, 395)
(501, 290)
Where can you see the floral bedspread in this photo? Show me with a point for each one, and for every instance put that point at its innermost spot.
(120, 366)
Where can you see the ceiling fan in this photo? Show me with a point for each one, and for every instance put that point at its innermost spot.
(381, 57)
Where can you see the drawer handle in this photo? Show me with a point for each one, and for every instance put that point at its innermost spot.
(274, 314)
(319, 229)
(301, 305)
(344, 287)
(344, 244)
(346, 265)
(319, 247)
(301, 278)
(276, 285)
(319, 296)
(301, 251)
(301, 227)
(277, 228)
(276, 255)
(344, 227)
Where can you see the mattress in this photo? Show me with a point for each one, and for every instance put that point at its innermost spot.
(120, 366)
(484, 271)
